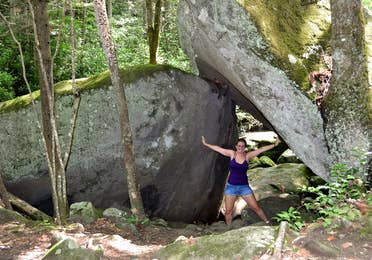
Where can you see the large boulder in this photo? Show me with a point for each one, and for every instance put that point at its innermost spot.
(169, 110)
(68, 249)
(263, 51)
(244, 243)
(283, 178)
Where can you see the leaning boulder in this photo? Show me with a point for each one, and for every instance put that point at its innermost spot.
(264, 57)
(168, 109)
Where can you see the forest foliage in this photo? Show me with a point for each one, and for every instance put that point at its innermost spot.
(128, 29)
(128, 25)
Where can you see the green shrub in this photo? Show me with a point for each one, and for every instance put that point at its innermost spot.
(331, 203)
(293, 218)
(6, 86)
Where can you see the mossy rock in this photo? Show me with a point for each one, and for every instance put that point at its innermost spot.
(101, 80)
(244, 243)
(10, 216)
(283, 178)
(68, 249)
(293, 29)
(266, 161)
(83, 211)
(254, 162)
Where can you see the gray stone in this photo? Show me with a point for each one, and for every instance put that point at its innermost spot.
(58, 236)
(222, 40)
(271, 206)
(321, 248)
(169, 111)
(68, 249)
(75, 227)
(10, 216)
(83, 211)
(244, 243)
(288, 157)
(129, 227)
(159, 222)
(219, 227)
(116, 215)
(283, 178)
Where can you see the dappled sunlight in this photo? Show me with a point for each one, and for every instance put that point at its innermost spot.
(289, 29)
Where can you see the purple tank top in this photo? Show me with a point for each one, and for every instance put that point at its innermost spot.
(238, 173)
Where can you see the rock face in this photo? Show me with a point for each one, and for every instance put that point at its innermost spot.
(223, 41)
(169, 111)
(244, 243)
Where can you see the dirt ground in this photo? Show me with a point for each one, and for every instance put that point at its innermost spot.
(20, 241)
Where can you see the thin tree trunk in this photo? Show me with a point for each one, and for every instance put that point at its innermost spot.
(4, 193)
(29, 210)
(57, 174)
(144, 15)
(49, 160)
(278, 247)
(349, 122)
(77, 97)
(126, 134)
(153, 28)
(59, 32)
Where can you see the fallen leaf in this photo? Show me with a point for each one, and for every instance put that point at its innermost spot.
(347, 244)
(303, 252)
(331, 238)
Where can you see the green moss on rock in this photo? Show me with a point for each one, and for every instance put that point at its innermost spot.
(290, 29)
(102, 80)
(245, 243)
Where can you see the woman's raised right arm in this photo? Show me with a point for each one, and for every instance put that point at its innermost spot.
(226, 152)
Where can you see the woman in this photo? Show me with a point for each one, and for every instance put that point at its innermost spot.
(237, 183)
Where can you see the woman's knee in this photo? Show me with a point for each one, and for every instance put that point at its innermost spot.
(228, 211)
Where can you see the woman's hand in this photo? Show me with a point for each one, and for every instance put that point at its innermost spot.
(277, 141)
(203, 140)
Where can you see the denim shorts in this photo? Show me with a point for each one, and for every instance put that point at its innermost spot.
(241, 190)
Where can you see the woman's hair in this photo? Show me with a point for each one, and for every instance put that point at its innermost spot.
(242, 140)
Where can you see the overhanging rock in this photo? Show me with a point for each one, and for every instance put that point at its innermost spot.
(221, 38)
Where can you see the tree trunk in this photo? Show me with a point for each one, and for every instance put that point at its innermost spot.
(153, 28)
(29, 210)
(347, 107)
(77, 98)
(56, 170)
(3, 193)
(126, 135)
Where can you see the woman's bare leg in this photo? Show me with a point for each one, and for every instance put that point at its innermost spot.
(229, 206)
(252, 203)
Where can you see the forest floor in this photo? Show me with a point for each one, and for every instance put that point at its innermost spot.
(20, 241)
